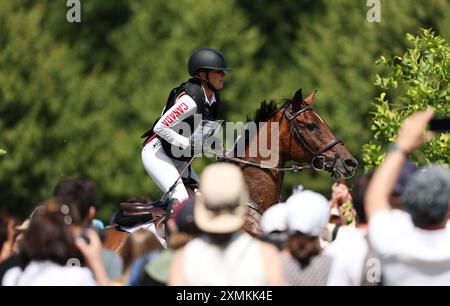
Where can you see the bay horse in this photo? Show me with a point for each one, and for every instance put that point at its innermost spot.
(303, 138)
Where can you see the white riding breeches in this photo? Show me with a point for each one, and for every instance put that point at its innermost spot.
(165, 170)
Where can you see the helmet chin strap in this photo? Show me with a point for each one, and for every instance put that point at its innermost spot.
(210, 86)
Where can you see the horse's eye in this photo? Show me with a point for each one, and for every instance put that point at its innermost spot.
(311, 126)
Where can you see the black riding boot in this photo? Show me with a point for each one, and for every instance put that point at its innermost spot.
(170, 209)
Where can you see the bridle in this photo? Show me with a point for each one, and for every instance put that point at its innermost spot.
(317, 154)
(295, 167)
(296, 132)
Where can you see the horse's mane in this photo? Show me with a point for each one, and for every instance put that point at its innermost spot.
(266, 111)
(262, 114)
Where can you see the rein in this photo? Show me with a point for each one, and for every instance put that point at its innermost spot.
(296, 167)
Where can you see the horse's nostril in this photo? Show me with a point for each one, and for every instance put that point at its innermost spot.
(351, 163)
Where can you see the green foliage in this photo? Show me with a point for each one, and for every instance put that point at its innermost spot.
(74, 98)
(336, 52)
(415, 80)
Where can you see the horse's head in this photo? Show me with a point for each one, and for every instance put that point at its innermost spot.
(306, 137)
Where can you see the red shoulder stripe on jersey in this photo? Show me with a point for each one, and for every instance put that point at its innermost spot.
(150, 139)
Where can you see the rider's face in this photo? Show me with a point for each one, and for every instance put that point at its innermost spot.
(216, 77)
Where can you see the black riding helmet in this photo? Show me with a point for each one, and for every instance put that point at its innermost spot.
(206, 58)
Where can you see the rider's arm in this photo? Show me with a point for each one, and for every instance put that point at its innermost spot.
(183, 108)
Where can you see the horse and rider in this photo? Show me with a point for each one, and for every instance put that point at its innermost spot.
(168, 151)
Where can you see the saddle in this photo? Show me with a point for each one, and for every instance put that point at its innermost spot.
(137, 213)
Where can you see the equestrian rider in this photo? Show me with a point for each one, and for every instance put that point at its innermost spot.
(199, 96)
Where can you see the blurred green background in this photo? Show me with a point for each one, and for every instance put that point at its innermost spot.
(75, 97)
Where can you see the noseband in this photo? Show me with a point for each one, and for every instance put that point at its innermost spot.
(317, 154)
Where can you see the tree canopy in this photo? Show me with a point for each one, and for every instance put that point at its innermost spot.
(75, 97)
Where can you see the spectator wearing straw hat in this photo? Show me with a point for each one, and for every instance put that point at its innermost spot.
(224, 255)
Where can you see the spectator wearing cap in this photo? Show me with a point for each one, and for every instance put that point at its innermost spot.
(307, 216)
(416, 250)
(224, 255)
(273, 225)
(79, 194)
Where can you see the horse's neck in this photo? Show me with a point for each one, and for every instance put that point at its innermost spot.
(264, 184)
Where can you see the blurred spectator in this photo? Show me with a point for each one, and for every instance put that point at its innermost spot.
(395, 198)
(79, 195)
(7, 245)
(136, 245)
(46, 251)
(19, 232)
(416, 250)
(3, 236)
(333, 226)
(307, 216)
(273, 225)
(351, 252)
(15, 260)
(181, 229)
(341, 213)
(223, 255)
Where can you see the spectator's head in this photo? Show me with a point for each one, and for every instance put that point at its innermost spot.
(427, 195)
(48, 237)
(273, 225)
(395, 199)
(359, 191)
(222, 206)
(79, 195)
(307, 217)
(408, 169)
(307, 212)
(184, 217)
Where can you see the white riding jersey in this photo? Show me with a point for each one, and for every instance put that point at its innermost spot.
(183, 108)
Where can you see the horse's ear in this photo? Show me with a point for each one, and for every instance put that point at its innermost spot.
(297, 100)
(310, 99)
(298, 97)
